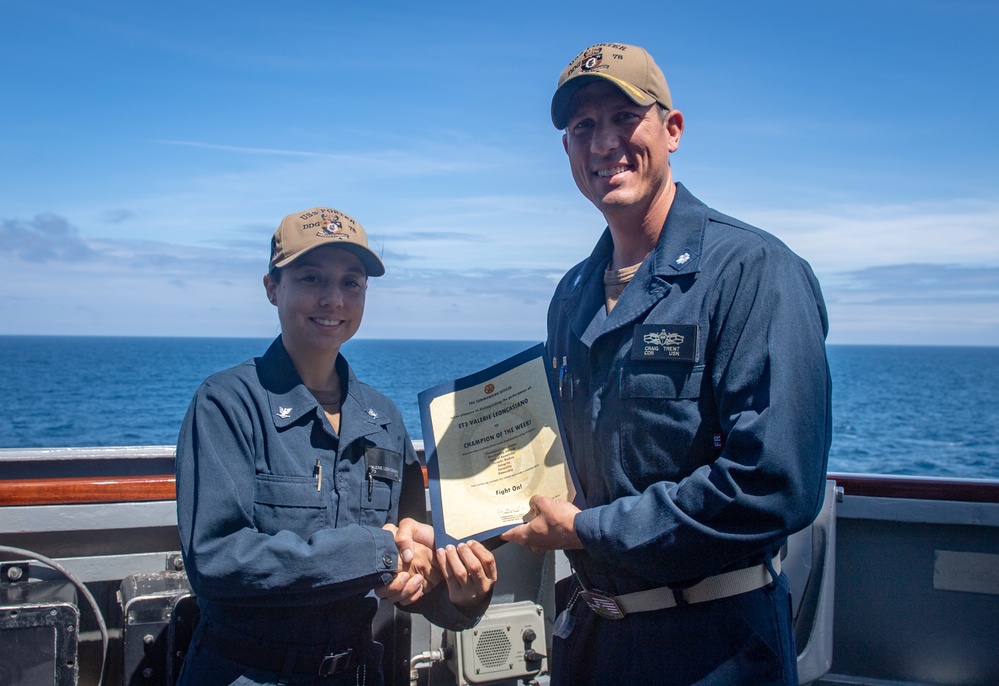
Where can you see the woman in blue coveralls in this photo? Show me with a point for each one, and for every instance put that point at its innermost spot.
(290, 476)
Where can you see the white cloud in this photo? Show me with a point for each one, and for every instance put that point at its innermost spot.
(434, 304)
(482, 266)
(849, 238)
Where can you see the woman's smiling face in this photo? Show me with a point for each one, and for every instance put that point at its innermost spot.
(320, 300)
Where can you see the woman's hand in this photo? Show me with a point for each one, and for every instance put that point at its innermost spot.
(469, 570)
(405, 588)
(417, 572)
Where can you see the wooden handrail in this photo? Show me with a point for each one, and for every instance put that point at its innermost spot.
(78, 490)
(163, 487)
(919, 487)
(111, 489)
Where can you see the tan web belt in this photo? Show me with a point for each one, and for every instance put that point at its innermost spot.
(662, 598)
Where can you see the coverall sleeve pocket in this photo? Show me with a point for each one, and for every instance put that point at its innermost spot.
(288, 503)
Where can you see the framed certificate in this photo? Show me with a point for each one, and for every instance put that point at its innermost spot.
(492, 440)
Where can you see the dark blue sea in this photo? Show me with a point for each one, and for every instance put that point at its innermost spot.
(896, 410)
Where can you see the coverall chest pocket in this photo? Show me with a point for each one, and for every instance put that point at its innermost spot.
(659, 417)
(382, 481)
(289, 503)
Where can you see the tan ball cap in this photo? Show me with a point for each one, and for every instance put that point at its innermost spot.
(303, 231)
(628, 67)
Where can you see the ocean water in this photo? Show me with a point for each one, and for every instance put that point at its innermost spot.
(896, 410)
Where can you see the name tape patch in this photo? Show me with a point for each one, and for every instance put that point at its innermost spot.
(383, 463)
(675, 342)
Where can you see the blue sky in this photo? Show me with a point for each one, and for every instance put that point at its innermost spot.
(149, 149)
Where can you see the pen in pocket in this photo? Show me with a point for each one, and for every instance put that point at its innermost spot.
(564, 379)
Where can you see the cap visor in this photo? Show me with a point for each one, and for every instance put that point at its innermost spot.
(372, 264)
(563, 95)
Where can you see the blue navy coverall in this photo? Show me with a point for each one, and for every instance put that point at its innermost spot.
(280, 525)
(695, 466)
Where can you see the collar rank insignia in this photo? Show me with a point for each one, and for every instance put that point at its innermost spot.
(685, 257)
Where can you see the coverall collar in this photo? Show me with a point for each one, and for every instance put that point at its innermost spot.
(358, 416)
(677, 253)
(290, 400)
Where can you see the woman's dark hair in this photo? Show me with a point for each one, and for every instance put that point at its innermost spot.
(275, 272)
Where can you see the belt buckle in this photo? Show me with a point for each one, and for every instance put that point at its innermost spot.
(334, 664)
(604, 605)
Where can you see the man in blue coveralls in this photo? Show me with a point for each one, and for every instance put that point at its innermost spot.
(694, 391)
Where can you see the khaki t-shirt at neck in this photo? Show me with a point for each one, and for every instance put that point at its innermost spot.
(614, 282)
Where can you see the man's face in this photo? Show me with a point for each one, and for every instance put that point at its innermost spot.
(619, 151)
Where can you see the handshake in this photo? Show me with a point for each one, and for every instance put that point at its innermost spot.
(468, 569)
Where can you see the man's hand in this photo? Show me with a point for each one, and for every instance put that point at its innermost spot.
(470, 572)
(552, 527)
(409, 532)
(415, 542)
